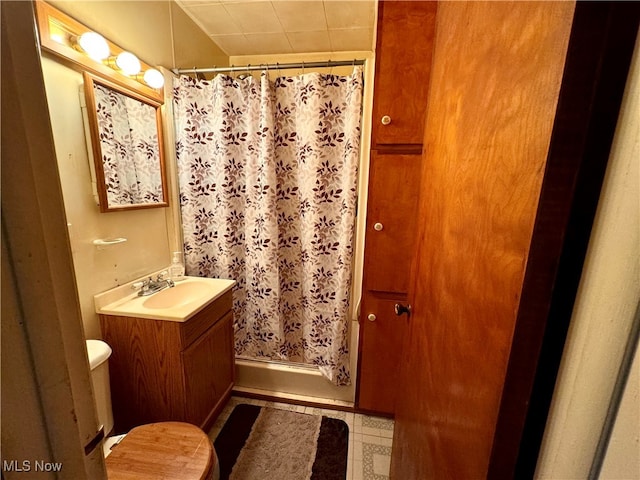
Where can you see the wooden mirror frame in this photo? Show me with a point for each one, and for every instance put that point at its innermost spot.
(90, 81)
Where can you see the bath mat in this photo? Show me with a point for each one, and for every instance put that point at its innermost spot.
(262, 443)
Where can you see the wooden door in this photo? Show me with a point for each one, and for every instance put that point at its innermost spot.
(403, 62)
(208, 371)
(496, 75)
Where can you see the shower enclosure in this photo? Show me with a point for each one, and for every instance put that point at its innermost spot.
(268, 174)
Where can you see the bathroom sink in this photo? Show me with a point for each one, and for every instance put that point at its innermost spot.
(178, 303)
(181, 294)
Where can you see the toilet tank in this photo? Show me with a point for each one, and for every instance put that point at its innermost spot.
(99, 352)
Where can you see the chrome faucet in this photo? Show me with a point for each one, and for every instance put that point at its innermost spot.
(150, 286)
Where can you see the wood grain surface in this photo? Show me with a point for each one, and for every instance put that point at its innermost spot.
(380, 351)
(193, 328)
(209, 369)
(403, 64)
(145, 370)
(496, 75)
(170, 450)
(603, 37)
(171, 371)
(394, 184)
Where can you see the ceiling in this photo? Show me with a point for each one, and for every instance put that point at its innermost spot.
(261, 27)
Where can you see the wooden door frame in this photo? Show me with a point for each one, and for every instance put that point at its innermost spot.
(600, 48)
(52, 406)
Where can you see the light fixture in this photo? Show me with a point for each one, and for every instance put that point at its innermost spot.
(153, 78)
(94, 45)
(128, 63)
(88, 50)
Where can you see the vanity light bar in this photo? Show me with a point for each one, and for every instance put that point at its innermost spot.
(71, 40)
(94, 45)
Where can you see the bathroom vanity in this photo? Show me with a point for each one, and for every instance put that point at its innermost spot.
(172, 355)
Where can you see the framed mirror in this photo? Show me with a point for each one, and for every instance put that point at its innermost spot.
(126, 138)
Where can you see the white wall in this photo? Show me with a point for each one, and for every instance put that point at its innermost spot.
(159, 32)
(622, 459)
(166, 37)
(605, 306)
(147, 248)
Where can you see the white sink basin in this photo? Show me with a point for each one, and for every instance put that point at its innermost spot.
(182, 293)
(177, 303)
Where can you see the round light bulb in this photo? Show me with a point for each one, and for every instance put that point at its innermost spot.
(95, 45)
(153, 78)
(128, 63)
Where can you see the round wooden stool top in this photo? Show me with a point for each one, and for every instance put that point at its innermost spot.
(167, 450)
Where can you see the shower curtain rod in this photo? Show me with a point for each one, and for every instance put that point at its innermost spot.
(268, 66)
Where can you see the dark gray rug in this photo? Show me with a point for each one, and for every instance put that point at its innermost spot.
(261, 443)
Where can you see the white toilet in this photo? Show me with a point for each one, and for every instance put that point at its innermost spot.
(161, 456)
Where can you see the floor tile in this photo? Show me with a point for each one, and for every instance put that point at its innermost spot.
(369, 464)
(386, 433)
(377, 422)
(371, 431)
(357, 450)
(358, 471)
(381, 464)
(370, 437)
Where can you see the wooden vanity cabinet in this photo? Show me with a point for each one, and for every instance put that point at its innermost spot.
(163, 370)
(406, 31)
(404, 46)
(208, 377)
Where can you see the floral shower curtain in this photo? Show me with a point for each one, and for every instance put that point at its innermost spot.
(128, 140)
(268, 176)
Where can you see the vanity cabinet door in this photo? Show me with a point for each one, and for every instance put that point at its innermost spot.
(406, 31)
(144, 370)
(394, 181)
(209, 371)
(381, 336)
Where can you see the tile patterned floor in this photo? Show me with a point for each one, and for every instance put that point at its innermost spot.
(369, 437)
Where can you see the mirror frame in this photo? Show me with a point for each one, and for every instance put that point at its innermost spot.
(90, 81)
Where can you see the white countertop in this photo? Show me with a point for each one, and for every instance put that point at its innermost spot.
(187, 298)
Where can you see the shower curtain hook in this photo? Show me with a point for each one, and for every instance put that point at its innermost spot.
(303, 67)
